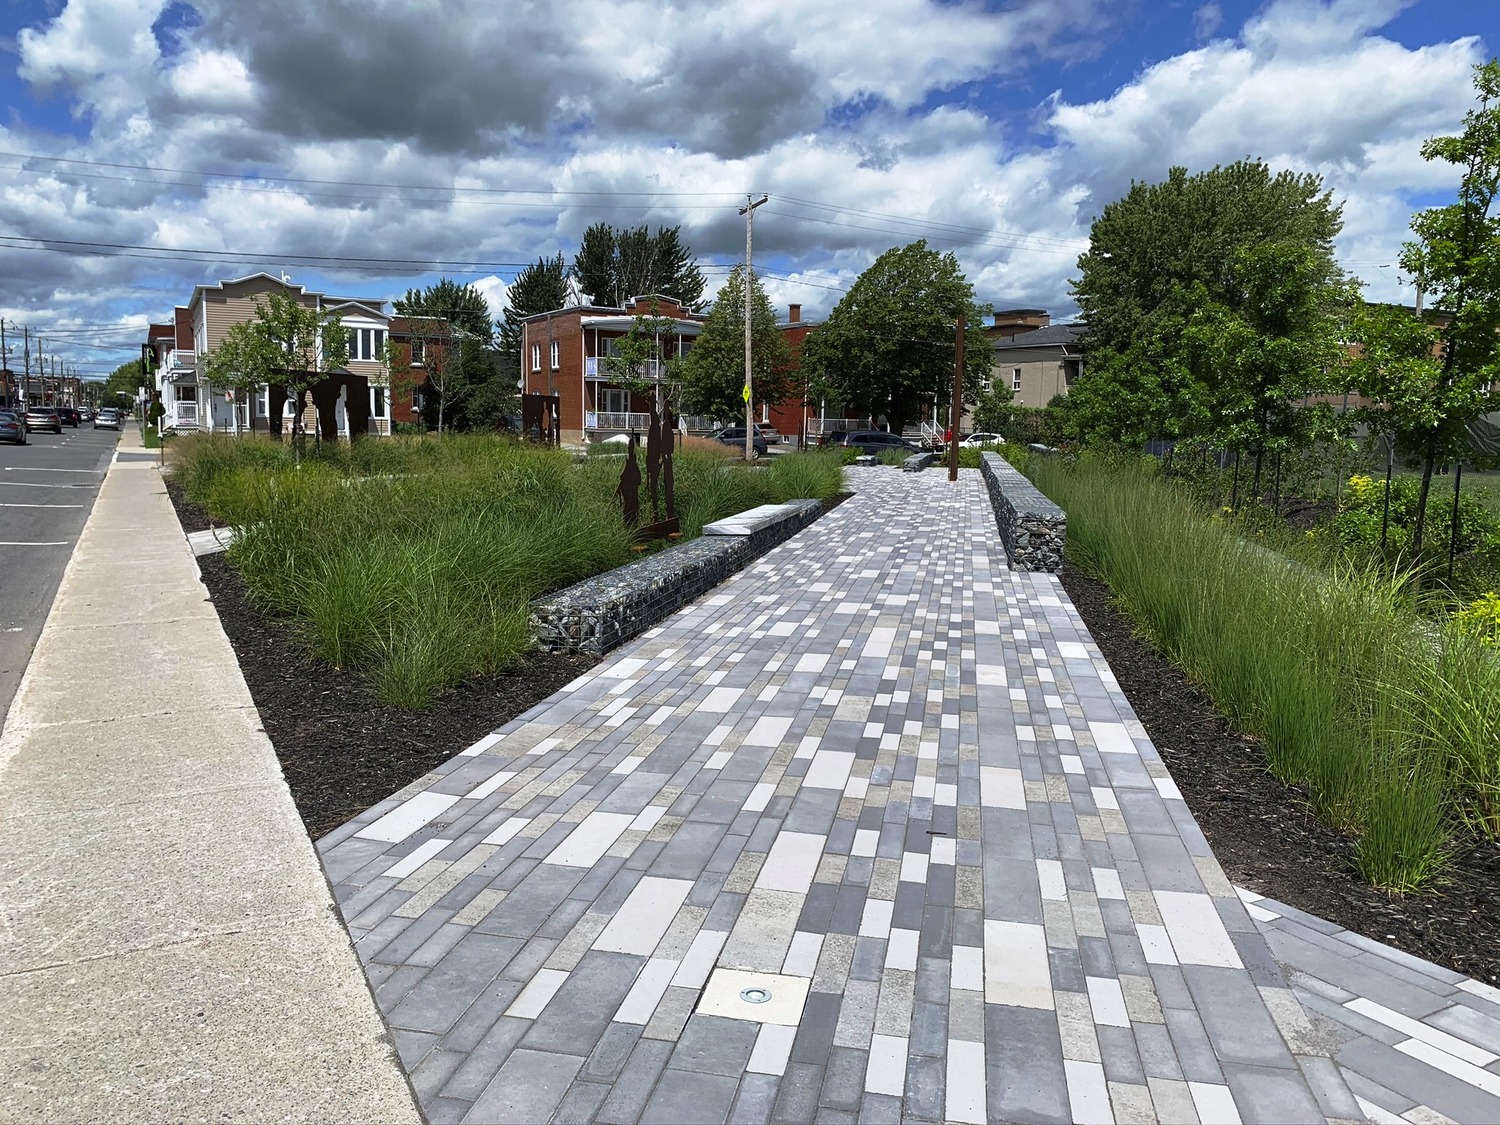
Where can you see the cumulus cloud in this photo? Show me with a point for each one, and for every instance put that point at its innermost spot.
(485, 134)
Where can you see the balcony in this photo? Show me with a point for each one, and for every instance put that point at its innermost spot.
(617, 422)
(598, 368)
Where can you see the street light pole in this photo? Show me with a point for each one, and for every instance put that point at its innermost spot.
(748, 210)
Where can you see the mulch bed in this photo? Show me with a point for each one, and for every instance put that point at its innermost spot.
(1262, 831)
(341, 753)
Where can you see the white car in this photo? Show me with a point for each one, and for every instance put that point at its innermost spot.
(978, 441)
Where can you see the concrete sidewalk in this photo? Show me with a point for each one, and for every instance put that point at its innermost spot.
(168, 947)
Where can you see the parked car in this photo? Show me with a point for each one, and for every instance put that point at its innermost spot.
(44, 418)
(12, 427)
(877, 442)
(107, 420)
(975, 441)
(735, 436)
(832, 437)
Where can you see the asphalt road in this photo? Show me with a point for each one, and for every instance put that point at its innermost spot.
(47, 489)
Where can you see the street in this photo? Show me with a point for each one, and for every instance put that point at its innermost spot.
(47, 489)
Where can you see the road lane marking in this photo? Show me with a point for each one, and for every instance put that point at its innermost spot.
(35, 484)
(42, 469)
(55, 543)
(43, 505)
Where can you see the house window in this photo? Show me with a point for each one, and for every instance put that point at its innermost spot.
(988, 385)
(554, 348)
(263, 402)
(366, 343)
(536, 357)
(1070, 372)
(186, 392)
(1015, 378)
(418, 352)
(615, 401)
(377, 402)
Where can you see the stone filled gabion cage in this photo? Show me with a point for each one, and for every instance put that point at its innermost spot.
(1033, 528)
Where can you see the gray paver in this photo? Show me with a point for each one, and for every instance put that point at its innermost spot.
(888, 649)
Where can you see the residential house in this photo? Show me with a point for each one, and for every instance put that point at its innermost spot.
(180, 346)
(566, 353)
(1036, 359)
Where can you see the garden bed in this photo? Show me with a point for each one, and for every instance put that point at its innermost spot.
(1263, 833)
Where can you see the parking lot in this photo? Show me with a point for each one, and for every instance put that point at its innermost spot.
(47, 489)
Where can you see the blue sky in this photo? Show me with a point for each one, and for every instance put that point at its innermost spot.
(468, 138)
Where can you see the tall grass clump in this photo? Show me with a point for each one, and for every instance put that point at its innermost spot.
(422, 577)
(1313, 663)
(806, 476)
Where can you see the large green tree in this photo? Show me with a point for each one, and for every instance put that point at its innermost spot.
(1430, 377)
(888, 346)
(540, 287)
(713, 374)
(462, 306)
(612, 266)
(1175, 265)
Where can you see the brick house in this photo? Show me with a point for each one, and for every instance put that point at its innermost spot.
(566, 353)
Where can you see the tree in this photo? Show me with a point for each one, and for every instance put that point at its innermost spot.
(238, 364)
(1429, 380)
(993, 413)
(888, 346)
(127, 379)
(287, 344)
(612, 266)
(1173, 263)
(713, 373)
(538, 288)
(452, 331)
(462, 306)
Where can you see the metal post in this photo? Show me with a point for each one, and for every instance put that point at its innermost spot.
(748, 210)
(956, 408)
(1458, 476)
(1385, 508)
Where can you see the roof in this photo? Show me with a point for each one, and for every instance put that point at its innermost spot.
(1057, 335)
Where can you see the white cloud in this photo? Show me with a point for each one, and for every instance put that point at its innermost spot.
(869, 125)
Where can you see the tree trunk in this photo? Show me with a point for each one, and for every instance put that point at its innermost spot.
(1428, 463)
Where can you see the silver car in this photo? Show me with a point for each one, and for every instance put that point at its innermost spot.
(107, 420)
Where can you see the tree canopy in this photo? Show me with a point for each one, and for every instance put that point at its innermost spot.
(1429, 377)
(713, 374)
(463, 306)
(888, 346)
(540, 287)
(612, 266)
(1211, 302)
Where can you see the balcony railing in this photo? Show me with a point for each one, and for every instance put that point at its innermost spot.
(623, 423)
(603, 367)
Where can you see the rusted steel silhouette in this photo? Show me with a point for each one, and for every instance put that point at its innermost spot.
(660, 445)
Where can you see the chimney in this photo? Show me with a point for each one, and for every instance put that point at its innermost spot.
(794, 314)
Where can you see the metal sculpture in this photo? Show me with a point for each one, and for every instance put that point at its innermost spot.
(541, 418)
(660, 446)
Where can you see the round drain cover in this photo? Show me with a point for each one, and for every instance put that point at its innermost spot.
(755, 995)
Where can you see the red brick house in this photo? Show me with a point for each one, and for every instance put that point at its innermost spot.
(566, 353)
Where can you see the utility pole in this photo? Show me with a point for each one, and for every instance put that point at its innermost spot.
(957, 406)
(748, 210)
(5, 364)
(27, 379)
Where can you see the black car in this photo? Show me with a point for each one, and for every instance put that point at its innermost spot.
(69, 415)
(735, 436)
(832, 437)
(44, 418)
(877, 442)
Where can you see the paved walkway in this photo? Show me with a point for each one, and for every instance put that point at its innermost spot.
(869, 833)
(168, 948)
